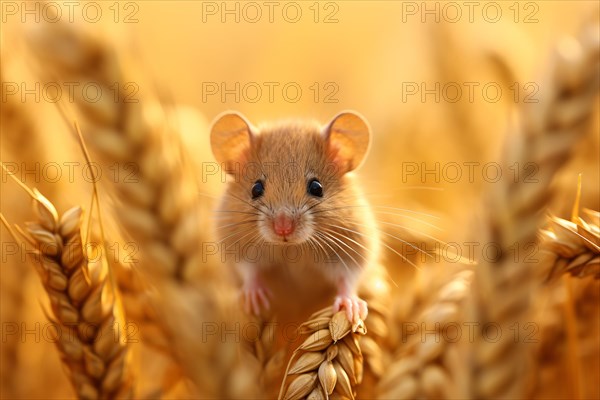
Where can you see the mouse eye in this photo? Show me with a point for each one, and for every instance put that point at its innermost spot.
(258, 189)
(315, 188)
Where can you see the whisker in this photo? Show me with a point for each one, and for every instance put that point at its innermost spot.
(237, 223)
(262, 203)
(311, 242)
(313, 206)
(381, 212)
(210, 196)
(407, 210)
(399, 189)
(334, 240)
(332, 234)
(413, 230)
(323, 238)
(389, 247)
(321, 246)
(236, 211)
(371, 251)
(348, 237)
(335, 209)
(240, 238)
(414, 219)
(384, 206)
(247, 202)
(380, 231)
(236, 233)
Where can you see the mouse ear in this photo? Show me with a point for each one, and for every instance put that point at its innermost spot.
(349, 138)
(230, 136)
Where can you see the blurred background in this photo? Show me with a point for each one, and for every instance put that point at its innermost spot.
(437, 81)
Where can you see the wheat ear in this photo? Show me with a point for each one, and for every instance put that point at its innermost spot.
(375, 290)
(566, 314)
(139, 306)
(425, 363)
(329, 363)
(160, 209)
(156, 186)
(259, 370)
(573, 246)
(546, 134)
(90, 327)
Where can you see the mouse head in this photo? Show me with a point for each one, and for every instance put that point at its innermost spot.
(292, 177)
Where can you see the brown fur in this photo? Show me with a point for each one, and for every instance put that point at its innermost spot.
(286, 156)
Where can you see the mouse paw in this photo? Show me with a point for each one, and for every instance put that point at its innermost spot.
(356, 308)
(256, 298)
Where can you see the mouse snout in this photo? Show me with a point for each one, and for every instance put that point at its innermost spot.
(283, 224)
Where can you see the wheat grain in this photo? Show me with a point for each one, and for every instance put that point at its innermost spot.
(262, 361)
(329, 361)
(574, 247)
(85, 312)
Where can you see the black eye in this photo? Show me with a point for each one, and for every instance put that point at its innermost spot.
(315, 188)
(258, 189)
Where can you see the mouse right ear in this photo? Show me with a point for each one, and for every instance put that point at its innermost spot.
(349, 139)
(230, 137)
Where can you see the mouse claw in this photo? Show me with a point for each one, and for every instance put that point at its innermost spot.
(355, 307)
(256, 298)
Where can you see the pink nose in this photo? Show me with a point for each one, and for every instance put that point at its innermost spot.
(283, 225)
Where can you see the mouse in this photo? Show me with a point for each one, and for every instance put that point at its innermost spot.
(292, 185)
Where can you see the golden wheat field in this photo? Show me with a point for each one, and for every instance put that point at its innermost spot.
(478, 248)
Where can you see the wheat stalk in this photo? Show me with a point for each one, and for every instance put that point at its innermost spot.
(160, 211)
(548, 130)
(425, 363)
(85, 311)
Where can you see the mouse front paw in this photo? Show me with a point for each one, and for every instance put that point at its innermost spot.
(256, 298)
(356, 308)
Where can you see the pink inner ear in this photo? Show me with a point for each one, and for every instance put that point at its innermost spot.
(236, 166)
(334, 155)
(244, 155)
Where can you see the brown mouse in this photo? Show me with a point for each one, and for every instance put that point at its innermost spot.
(291, 184)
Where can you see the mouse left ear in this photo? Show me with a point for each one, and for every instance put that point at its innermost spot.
(349, 138)
(230, 138)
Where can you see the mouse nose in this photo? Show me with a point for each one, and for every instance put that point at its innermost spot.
(283, 225)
